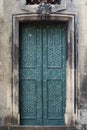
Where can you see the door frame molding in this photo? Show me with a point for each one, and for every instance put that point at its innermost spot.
(70, 115)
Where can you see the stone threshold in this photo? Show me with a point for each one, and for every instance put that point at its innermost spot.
(37, 128)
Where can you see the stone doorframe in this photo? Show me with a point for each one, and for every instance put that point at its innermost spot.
(70, 115)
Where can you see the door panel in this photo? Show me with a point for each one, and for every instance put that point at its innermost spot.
(53, 74)
(42, 73)
(30, 75)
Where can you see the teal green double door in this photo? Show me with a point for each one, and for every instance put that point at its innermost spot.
(42, 73)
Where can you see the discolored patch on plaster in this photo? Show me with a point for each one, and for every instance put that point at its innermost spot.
(10, 120)
(15, 56)
(4, 128)
(1, 121)
(85, 64)
(1, 25)
(83, 98)
(83, 119)
(1, 77)
(1, 72)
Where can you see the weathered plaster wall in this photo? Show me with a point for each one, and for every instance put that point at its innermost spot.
(2, 79)
(82, 61)
(9, 7)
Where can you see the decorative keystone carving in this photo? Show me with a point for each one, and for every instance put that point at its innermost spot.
(44, 9)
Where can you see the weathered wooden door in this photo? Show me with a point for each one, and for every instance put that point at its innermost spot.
(42, 73)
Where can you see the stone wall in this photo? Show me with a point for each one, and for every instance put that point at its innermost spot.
(10, 7)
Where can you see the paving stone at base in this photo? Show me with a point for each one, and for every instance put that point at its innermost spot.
(36, 128)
